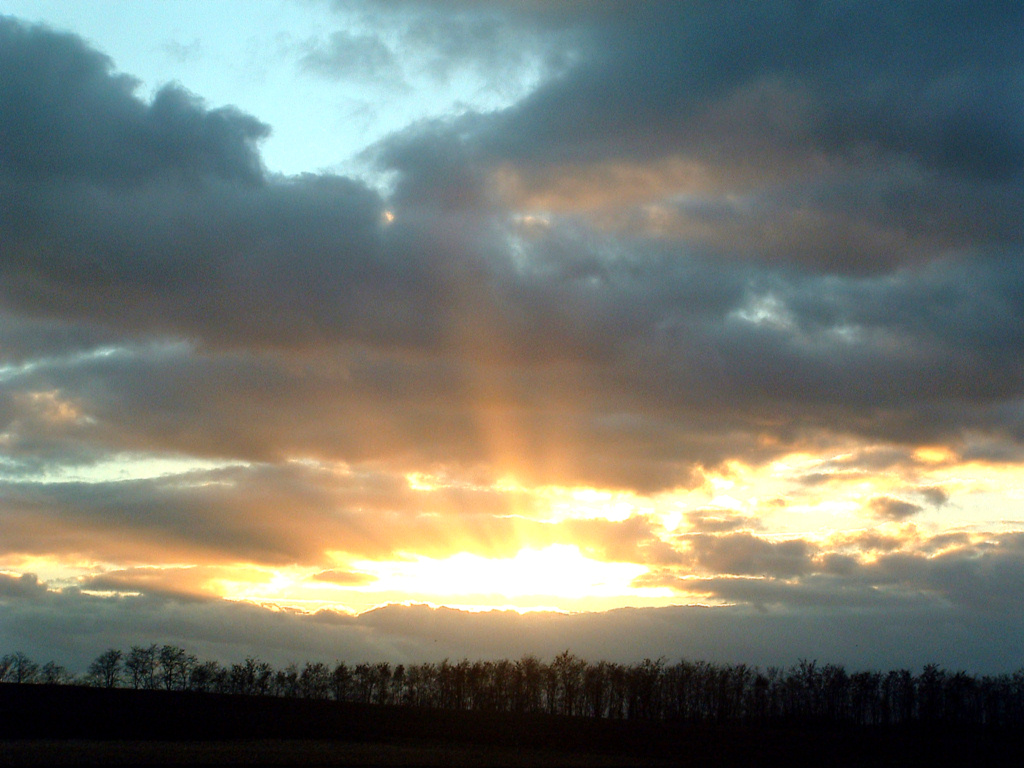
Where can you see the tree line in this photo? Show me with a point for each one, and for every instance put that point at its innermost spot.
(686, 691)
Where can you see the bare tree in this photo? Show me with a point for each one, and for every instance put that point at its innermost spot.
(341, 681)
(650, 690)
(140, 664)
(529, 684)
(567, 672)
(106, 669)
(53, 673)
(286, 682)
(18, 668)
(382, 682)
(6, 665)
(362, 681)
(203, 677)
(397, 692)
(315, 681)
(175, 665)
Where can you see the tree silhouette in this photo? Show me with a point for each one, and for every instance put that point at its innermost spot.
(203, 677)
(18, 668)
(140, 664)
(341, 682)
(106, 669)
(175, 667)
(684, 692)
(53, 673)
(315, 681)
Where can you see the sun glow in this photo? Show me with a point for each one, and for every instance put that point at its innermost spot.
(558, 570)
(557, 577)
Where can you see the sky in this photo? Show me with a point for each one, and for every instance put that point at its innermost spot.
(357, 330)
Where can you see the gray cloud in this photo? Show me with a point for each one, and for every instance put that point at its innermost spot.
(935, 496)
(27, 585)
(73, 628)
(945, 570)
(987, 577)
(745, 554)
(192, 245)
(348, 55)
(889, 508)
(708, 234)
(718, 521)
(937, 84)
(494, 43)
(71, 117)
(248, 514)
(345, 578)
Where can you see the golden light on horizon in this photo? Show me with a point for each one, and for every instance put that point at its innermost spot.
(558, 570)
(934, 454)
(557, 577)
(542, 546)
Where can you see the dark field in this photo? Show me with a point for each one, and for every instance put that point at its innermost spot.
(69, 725)
(291, 753)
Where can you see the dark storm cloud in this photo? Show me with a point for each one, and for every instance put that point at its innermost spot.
(231, 264)
(158, 217)
(632, 353)
(982, 577)
(182, 584)
(710, 233)
(837, 251)
(910, 161)
(892, 355)
(814, 592)
(937, 83)
(68, 115)
(159, 397)
(940, 574)
(870, 541)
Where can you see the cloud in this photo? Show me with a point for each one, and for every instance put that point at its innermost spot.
(692, 239)
(244, 514)
(493, 44)
(888, 508)
(633, 540)
(568, 333)
(718, 521)
(908, 634)
(73, 118)
(984, 576)
(178, 583)
(935, 496)
(348, 55)
(746, 554)
(656, 70)
(183, 52)
(954, 569)
(25, 585)
(344, 578)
